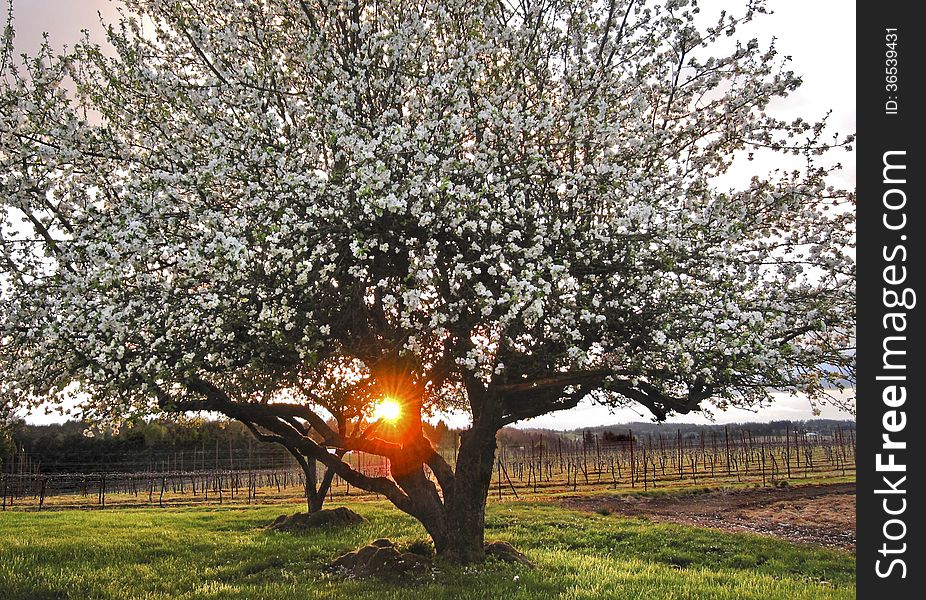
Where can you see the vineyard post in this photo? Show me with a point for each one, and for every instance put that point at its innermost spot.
(703, 455)
(645, 465)
(726, 435)
(540, 456)
(511, 485)
(808, 465)
(534, 465)
(498, 465)
(530, 466)
(681, 466)
(842, 449)
(585, 460)
(798, 454)
(650, 451)
(762, 447)
(633, 463)
(746, 453)
(662, 455)
(812, 442)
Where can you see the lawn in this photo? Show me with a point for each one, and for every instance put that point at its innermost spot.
(225, 553)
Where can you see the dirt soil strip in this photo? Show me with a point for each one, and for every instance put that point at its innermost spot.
(811, 514)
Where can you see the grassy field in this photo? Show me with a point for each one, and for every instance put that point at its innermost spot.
(225, 553)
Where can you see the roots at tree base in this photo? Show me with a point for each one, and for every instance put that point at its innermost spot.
(382, 557)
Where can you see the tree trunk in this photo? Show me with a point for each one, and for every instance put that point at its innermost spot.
(314, 501)
(315, 491)
(321, 491)
(464, 509)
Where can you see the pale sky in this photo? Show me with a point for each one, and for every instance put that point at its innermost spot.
(818, 34)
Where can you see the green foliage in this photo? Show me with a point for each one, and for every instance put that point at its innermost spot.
(226, 553)
(68, 447)
(6, 443)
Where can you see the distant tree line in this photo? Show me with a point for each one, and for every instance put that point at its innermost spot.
(824, 427)
(71, 447)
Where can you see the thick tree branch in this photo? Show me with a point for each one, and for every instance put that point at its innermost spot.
(271, 417)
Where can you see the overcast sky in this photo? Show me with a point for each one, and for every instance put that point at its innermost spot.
(818, 34)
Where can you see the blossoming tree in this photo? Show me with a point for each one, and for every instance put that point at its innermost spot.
(500, 207)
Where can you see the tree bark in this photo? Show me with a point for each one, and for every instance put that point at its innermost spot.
(313, 499)
(322, 491)
(314, 496)
(464, 508)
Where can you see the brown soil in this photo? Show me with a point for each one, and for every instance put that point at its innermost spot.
(381, 557)
(813, 514)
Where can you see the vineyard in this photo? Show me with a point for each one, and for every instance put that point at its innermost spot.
(545, 465)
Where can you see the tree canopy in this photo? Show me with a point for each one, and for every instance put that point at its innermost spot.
(501, 207)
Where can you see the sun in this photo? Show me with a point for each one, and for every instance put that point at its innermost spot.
(387, 409)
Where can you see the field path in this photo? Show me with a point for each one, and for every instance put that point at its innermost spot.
(813, 514)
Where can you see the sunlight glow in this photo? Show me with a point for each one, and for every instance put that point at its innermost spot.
(388, 409)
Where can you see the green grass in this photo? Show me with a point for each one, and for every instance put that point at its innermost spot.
(225, 553)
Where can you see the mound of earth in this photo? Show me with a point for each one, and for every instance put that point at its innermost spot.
(324, 518)
(383, 558)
